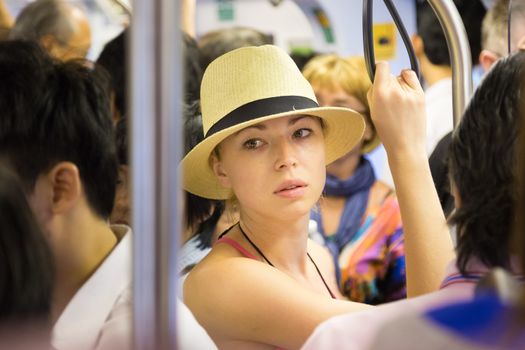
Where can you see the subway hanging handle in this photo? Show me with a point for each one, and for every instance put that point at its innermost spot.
(368, 37)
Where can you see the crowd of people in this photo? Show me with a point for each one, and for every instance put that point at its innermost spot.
(290, 240)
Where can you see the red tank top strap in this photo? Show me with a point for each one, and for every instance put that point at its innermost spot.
(236, 246)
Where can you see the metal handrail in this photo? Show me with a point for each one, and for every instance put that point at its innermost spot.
(156, 134)
(457, 42)
(460, 58)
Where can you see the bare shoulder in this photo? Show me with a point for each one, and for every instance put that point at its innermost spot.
(225, 281)
(218, 267)
(232, 297)
(320, 254)
(236, 299)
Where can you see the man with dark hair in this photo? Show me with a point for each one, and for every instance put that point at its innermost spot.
(431, 49)
(56, 132)
(113, 59)
(61, 28)
(121, 213)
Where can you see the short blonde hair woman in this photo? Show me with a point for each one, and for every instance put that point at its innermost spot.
(358, 218)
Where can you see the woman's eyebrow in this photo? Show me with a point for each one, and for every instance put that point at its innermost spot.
(255, 126)
(296, 119)
(264, 127)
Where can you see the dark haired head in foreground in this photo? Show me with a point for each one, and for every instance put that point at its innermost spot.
(26, 270)
(56, 112)
(57, 134)
(482, 166)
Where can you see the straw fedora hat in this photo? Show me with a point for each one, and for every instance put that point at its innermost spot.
(251, 85)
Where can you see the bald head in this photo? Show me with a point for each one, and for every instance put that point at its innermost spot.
(60, 27)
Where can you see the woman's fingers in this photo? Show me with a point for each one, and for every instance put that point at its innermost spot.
(410, 78)
(398, 110)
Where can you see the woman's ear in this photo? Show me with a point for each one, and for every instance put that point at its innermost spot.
(369, 132)
(219, 171)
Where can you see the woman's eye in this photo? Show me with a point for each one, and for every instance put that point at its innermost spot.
(301, 133)
(253, 144)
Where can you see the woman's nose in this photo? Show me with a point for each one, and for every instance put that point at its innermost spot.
(285, 154)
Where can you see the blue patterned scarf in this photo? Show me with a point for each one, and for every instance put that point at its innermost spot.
(356, 189)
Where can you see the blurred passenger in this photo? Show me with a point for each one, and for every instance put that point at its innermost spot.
(57, 134)
(358, 216)
(216, 43)
(494, 35)
(494, 45)
(114, 59)
(482, 162)
(26, 271)
(6, 21)
(302, 56)
(60, 27)
(205, 219)
(266, 145)
(431, 49)
(121, 213)
(192, 69)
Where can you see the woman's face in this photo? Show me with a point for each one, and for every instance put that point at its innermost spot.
(275, 168)
(337, 97)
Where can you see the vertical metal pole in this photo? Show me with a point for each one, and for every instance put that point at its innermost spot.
(171, 131)
(459, 48)
(156, 146)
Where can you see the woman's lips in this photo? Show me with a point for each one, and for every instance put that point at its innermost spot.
(291, 189)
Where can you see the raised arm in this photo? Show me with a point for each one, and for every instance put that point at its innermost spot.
(397, 107)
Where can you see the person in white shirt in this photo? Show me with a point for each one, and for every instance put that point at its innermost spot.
(432, 52)
(56, 132)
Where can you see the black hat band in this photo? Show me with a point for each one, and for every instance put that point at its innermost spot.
(261, 108)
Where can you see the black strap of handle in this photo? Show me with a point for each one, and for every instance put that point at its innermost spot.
(368, 37)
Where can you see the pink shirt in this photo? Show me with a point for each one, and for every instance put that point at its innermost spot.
(359, 330)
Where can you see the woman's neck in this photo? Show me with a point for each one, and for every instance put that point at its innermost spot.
(283, 242)
(345, 167)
